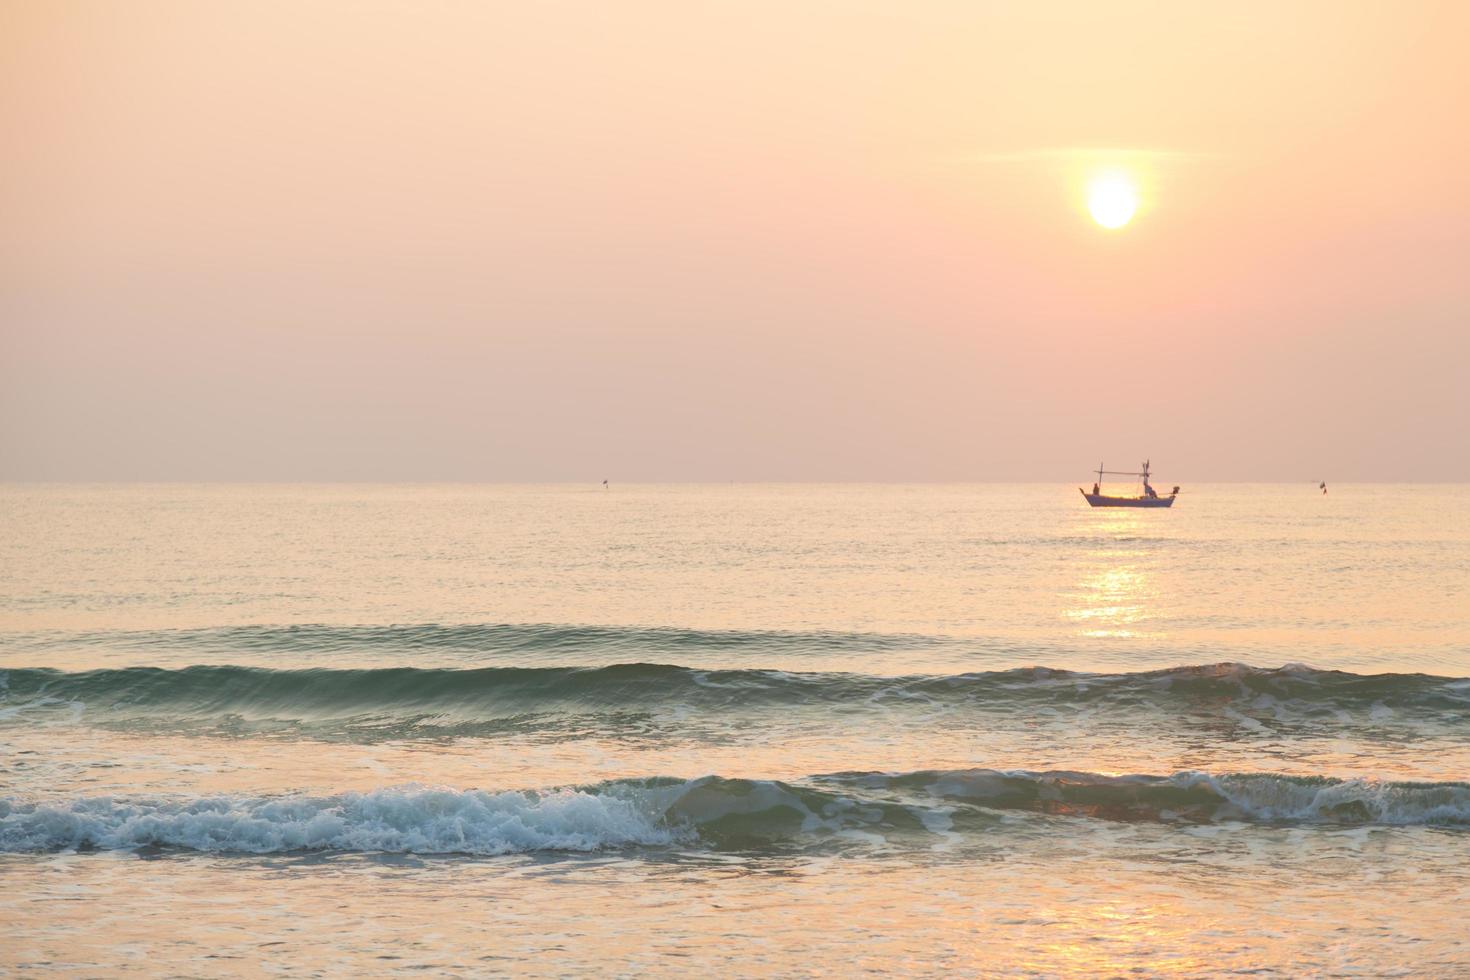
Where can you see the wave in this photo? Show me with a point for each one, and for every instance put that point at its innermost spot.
(425, 703)
(713, 812)
(487, 639)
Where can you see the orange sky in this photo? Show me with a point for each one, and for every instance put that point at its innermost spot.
(668, 241)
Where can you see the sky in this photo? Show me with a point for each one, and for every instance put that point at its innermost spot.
(649, 241)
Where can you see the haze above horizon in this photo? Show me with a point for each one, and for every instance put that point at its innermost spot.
(663, 242)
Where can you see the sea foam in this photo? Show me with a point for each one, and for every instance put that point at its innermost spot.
(413, 820)
(714, 811)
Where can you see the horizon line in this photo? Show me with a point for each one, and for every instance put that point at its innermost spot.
(705, 482)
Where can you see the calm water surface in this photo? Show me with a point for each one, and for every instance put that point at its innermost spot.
(759, 729)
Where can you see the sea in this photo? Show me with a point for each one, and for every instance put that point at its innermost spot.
(731, 729)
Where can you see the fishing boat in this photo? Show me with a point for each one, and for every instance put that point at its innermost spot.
(1147, 497)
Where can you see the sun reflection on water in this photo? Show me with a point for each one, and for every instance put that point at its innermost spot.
(1116, 595)
(1112, 603)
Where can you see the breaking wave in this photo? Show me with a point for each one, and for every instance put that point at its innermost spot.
(712, 812)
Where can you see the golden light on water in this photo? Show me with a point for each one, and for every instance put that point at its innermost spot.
(1111, 603)
(1112, 198)
(1117, 595)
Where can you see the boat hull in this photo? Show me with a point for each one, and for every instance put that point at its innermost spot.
(1100, 500)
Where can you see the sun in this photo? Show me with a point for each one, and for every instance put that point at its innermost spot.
(1112, 198)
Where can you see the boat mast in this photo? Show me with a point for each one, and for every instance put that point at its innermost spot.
(1102, 472)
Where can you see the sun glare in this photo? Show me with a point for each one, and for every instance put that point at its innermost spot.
(1112, 198)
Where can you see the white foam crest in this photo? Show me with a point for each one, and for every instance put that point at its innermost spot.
(409, 820)
(1281, 798)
